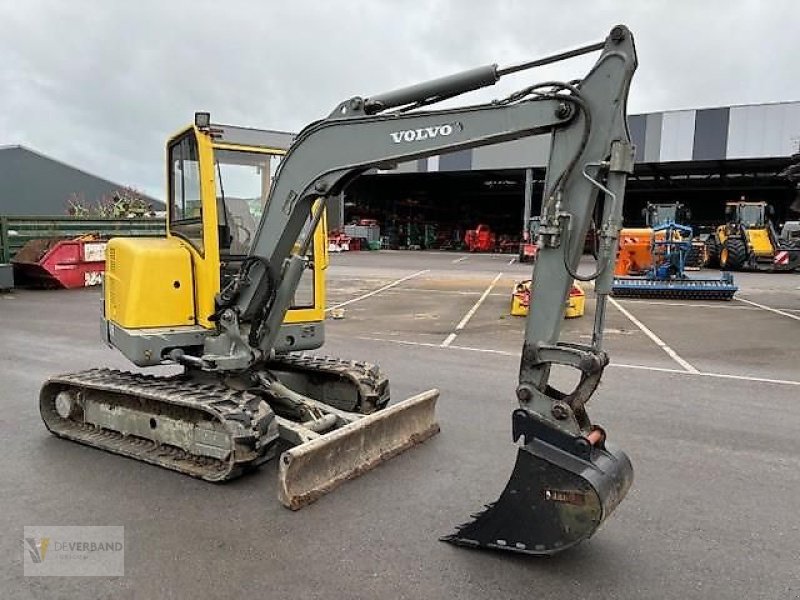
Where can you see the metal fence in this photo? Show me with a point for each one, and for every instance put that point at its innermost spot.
(15, 232)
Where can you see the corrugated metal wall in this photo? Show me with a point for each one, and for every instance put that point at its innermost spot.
(752, 131)
(764, 130)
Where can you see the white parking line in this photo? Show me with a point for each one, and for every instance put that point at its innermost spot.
(704, 374)
(511, 262)
(431, 345)
(460, 292)
(463, 322)
(770, 309)
(692, 304)
(656, 340)
(378, 291)
(458, 260)
(694, 373)
(448, 340)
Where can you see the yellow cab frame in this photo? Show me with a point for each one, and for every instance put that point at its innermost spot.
(206, 260)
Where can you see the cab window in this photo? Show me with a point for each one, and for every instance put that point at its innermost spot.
(185, 210)
(243, 183)
(304, 294)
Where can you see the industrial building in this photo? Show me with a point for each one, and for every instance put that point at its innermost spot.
(701, 157)
(32, 184)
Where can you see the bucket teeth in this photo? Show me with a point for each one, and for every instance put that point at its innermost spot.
(553, 500)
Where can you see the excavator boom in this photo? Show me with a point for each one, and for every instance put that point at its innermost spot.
(567, 479)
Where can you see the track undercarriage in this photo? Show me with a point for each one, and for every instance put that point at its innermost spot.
(217, 427)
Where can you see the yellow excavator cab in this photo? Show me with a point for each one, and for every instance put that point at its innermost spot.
(216, 192)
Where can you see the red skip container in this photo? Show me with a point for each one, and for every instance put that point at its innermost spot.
(67, 264)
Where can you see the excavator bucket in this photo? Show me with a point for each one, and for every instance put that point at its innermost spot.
(558, 495)
(314, 468)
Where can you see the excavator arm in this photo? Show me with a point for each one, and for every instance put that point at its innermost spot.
(590, 143)
(567, 479)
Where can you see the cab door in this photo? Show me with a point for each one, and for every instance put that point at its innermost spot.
(192, 214)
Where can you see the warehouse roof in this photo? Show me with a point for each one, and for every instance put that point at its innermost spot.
(34, 184)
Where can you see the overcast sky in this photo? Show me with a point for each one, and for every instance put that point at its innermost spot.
(100, 84)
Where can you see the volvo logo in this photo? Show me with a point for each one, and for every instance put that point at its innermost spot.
(424, 133)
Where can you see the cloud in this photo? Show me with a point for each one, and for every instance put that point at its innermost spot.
(102, 84)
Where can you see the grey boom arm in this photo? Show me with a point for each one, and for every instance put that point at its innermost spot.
(590, 157)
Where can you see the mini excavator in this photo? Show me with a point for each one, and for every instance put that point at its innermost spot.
(237, 299)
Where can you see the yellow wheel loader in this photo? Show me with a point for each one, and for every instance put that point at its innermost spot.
(234, 294)
(748, 241)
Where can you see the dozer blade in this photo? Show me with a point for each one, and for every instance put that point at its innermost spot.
(558, 495)
(674, 289)
(314, 468)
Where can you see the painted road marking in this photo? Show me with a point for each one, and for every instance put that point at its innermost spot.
(463, 322)
(406, 290)
(511, 262)
(694, 373)
(377, 291)
(449, 340)
(715, 375)
(693, 305)
(656, 340)
(460, 292)
(458, 260)
(770, 309)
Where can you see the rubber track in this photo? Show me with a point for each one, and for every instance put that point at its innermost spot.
(238, 411)
(372, 386)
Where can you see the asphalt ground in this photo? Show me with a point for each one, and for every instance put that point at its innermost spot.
(704, 397)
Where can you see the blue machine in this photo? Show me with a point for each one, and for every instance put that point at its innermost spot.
(666, 278)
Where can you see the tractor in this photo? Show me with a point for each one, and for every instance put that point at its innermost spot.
(748, 241)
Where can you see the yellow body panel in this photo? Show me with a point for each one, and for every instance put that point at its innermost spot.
(140, 290)
(148, 283)
(576, 302)
(520, 300)
(759, 241)
(519, 305)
